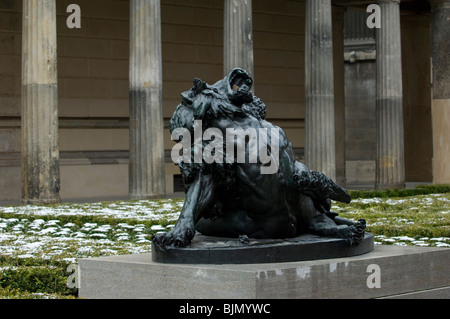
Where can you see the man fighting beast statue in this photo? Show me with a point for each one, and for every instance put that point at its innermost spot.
(227, 196)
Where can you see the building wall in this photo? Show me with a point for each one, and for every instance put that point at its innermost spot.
(360, 96)
(93, 82)
(360, 120)
(10, 79)
(417, 98)
(279, 37)
(360, 89)
(93, 88)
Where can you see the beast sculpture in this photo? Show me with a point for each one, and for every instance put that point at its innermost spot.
(235, 193)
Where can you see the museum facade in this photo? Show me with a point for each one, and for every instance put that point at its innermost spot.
(87, 91)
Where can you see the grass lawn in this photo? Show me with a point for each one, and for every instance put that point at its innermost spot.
(38, 243)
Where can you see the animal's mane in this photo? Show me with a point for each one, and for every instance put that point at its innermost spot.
(204, 100)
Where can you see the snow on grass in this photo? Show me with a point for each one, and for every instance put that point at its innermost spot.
(138, 210)
(71, 231)
(412, 220)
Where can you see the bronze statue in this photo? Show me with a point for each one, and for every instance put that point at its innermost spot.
(233, 192)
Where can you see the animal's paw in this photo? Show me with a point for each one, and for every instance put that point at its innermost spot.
(243, 239)
(358, 230)
(173, 238)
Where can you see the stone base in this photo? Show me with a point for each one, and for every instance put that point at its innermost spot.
(400, 272)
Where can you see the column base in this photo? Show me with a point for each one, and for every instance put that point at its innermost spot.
(46, 201)
(138, 197)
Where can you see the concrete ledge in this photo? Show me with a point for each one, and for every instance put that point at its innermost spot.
(418, 272)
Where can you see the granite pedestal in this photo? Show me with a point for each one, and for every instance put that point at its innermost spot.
(402, 272)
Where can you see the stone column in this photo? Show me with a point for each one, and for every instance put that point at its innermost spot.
(146, 168)
(440, 48)
(319, 84)
(40, 154)
(238, 35)
(390, 167)
(339, 92)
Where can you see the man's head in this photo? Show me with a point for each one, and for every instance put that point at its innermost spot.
(239, 87)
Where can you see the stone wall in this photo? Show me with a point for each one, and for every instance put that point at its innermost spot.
(360, 122)
(360, 85)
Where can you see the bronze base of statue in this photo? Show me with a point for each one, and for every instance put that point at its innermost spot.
(244, 250)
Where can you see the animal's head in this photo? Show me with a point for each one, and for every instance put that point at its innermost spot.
(239, 85)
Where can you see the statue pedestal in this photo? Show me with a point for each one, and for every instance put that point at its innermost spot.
(419, 272)
(219, 250)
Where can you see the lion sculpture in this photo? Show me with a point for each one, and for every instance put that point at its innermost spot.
(258, 198)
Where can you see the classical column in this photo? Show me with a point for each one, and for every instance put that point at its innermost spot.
(146, 168)
(339, 92)
(40, 154)
(390, 167)
(238, 35)
(440, 48)
(319, 84)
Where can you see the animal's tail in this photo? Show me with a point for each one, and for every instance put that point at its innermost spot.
(319, 187)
